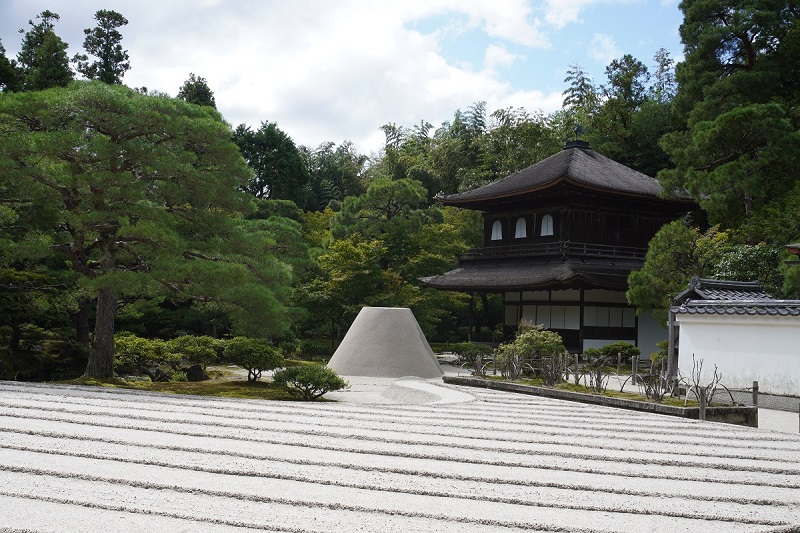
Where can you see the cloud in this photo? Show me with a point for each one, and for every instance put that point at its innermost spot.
(498, 56)
(559, 13)
(603, 49)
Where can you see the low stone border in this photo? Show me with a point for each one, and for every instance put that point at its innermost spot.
(739, 415)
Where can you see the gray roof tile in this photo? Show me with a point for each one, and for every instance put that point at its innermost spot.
(714, 289)
(740, 307)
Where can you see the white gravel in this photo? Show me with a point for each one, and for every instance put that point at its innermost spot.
(389, 455)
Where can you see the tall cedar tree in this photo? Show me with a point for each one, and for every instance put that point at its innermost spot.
(103, 42)
(42, 57)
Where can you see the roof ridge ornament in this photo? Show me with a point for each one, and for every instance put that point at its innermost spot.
(578, 143)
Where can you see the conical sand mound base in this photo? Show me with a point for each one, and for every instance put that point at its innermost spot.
(385, 342)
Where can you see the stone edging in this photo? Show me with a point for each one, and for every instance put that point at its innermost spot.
(740, 415)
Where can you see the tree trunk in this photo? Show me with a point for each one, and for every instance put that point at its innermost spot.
(16, 338)
(101, 356)
(81, 318)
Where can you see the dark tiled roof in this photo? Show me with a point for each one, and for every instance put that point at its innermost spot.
(554, 274)
(713, 289)
(578, 164)
(793, 248)
(740, 307)
(722, 297)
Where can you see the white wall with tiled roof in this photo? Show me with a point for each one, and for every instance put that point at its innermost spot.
(745, 347)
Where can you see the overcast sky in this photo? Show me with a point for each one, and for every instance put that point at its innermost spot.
(336, 70)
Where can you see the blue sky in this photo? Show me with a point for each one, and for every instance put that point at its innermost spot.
(337, 70)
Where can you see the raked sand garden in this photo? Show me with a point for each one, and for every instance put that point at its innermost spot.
(388, 455)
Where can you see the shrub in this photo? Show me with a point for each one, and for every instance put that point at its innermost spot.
(135, 355)
(255, 355)
(309, 381)
(627, 350)
(311, 348)
(509, 360)
(194, 350)
(474, 354)
(290, 348)
(533, 346)
(597, 369)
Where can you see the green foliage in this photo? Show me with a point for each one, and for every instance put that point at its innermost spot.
(473, 354)
(791, 277)
(736, 101)
(279, 171)
(141, 197)
(581, 97)
(389, 209)
(627, 350)
(334, 173)
(378, 246)
(9, 77)
(515, 140)
(660, 357)
(195, 90)
(42, 59)
(311, 349)
(103, 42)
(255, 355)
(676, 254)
(592, 354)
(309, 381)
(597, 369)
(532, 347)
(194, 350)
(135, 355)
(761, 262)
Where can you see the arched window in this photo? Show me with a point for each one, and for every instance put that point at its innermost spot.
(522, 229)
(547, 226)
(497, 231)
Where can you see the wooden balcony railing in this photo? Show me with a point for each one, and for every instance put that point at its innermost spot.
(559, 248)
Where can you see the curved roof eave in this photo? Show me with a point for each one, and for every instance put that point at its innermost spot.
(449, 200)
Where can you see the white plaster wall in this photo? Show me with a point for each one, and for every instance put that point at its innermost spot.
(745, 349)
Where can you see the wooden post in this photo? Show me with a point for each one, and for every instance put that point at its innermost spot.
(619, 362)
(634, 368)
(702, 395)
(755, 393)
(672, 349)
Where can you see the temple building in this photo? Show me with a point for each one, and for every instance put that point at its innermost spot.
(560, 238)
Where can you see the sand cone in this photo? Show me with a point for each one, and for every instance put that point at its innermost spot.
(385, 342)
